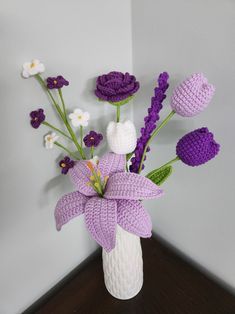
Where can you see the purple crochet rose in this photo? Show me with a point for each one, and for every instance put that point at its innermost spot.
(192, 96)
(37, 117)
(66, 164)
(197, 147)
(119, 204)
(92, 139)
(56, 82)
(116, 86)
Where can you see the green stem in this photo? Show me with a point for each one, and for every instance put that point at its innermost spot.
(56, 129)
(118, 113)
(62, 101)
(81, 135)
(92, 152)
(169, 163)
(67, 150)
(164, 122)
(60, 112)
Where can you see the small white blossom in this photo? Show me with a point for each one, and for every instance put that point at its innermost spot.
(32, 68)
(79, 118)
(121, 137)
(50, 139)
(94, 160)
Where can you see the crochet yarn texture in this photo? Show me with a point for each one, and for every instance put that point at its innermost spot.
(197, 147)
(120, 203)
(192, 96)
(121, 137)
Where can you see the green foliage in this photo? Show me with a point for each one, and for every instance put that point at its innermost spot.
(122, 102)
(158, 176)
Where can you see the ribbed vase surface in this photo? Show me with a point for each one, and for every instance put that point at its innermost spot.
(123, 266)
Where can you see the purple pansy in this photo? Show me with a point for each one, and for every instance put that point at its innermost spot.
(197, 147)
(116, 86)
(66, 164)
(150, 121)
(37, 117)
(93, 139)
(119, 204)
(56, 82)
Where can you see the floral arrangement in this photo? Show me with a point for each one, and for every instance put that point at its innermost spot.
(109, 189)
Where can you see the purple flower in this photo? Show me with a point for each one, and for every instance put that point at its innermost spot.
(150, 121)
(120, 203)
(66, 164)
(37, 117)
(116, 86)
(197, 147)
(92, 139)
(56, 82)
(192, 96)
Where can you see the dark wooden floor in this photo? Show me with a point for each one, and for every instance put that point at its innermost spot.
(171, 286)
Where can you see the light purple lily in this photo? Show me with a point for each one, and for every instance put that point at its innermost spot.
(120, 203)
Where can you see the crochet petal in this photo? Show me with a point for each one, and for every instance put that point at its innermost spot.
(68, 207)
(79, 175)
(131, 186)
(111, 163)
(132, 216)
(101, 221)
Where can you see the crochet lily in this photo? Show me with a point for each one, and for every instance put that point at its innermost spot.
(119, 204)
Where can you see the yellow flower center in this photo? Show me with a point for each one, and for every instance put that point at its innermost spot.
(79, 117)
(35, 119)
(63, 165)
(32, 65)
(92, 138)
(55, 82)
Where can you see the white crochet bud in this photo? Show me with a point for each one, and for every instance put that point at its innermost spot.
(121, 137)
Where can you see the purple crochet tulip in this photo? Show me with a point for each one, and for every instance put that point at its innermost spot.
(66, 164)
(120, 203)
(37, 117)
(116, 86)
(192, 96)
(197, 147)
(93, 139)
(56, 82)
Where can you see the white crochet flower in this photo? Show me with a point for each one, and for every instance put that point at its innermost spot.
(121, 137)
(50, 139)
(32, 68)
(79, 118)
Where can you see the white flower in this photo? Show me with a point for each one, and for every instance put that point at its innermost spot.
(50, 139)
(121, 137)
(94, 160)
(79, 118)
(32, 68)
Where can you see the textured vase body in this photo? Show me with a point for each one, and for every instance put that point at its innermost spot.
(123, 266)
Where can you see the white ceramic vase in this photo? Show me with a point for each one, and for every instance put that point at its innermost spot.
(123, 266)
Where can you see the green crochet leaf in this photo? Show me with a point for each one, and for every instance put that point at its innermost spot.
(158, 176)
(122, 102)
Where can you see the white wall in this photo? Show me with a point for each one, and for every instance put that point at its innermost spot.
(80, 40)
(197, 213)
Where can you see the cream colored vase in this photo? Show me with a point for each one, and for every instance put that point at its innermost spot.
(123, 266)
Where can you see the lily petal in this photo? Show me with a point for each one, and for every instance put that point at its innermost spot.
(101, 221)
(80, 175)
(68, 207)
(131, 186)
(132, 216)
(111, 163)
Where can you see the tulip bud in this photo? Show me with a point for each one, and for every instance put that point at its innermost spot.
(192, 96)
(121, 137)
(197, 147)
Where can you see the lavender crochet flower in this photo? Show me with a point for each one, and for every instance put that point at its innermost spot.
(93, 139)
(197, 147)
(56, 82)
(192, 96)
(37, 117)
(120, 203)
(116, 86)
(150, 121)
(66, 164)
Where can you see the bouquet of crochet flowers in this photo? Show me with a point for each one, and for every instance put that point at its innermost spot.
(109, 189)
